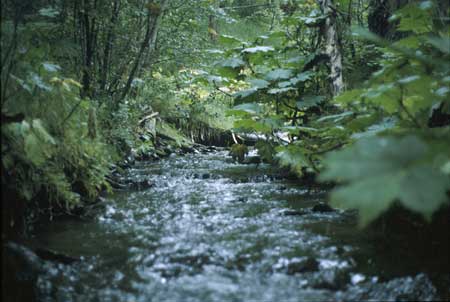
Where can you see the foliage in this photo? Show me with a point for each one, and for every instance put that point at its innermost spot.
(238, 152)
(380, 171)
(386, 124)
(406, 159)
(47, 152)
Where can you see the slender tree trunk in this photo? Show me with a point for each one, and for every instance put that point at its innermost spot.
(332, 47)
(153, 21)
(109, 45)
(212, 27)
(89, 29)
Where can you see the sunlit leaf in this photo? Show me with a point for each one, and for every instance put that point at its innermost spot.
(232, 62)
(51, 67)
(279, 74)
(49, 12)
(336, 117)
(259, 83)
(39, 82)
(245, 93)
(258, 49)
(252, 108)
(280, 90)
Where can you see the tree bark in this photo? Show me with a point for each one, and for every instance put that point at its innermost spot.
(332, 47)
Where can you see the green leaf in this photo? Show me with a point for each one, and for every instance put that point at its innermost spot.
(259, 83)
(258, 49)
(22, 83)
(252, 108)
(292, 156)
(49, 12)
(385, 95)
(34, 149)
(310, 101)
(232, 62)
(216, 79)
(284, 84)
(245, 93)
(276, 38)
(228, 72)
(229, 40)
(349, 96)
(441, 43)
(273, 121)
(51, 67)
(446, 168)
(379, 171)
(302, 77)
(280, 90)
(279, 74)
(368, 122)
(336, 117)
(425, 5)
(295, 130)
(409, 79)
(250, 125)
(414, 18)
(412, 42)
(314, 19)
(230, 67)
(39, 82)
(41, 132)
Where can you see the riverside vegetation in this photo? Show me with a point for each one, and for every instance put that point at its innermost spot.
(351, 97)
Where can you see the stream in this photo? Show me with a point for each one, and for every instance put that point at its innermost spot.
(214, 230)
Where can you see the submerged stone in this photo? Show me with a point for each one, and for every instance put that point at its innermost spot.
(302, 265)
(322, 207)
(141, 184)
(332, 279)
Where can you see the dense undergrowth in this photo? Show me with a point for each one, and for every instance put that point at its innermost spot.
(60, 140)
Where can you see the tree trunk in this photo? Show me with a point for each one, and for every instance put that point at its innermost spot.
(89, 35)
(378, 18)
(332, 47)
(212, 28)
(109, 45)
(155, 13)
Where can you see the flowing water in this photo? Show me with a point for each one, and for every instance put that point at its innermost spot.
(214, 230)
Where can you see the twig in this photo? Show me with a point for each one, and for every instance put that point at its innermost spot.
(224, 92)
(148, 117)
